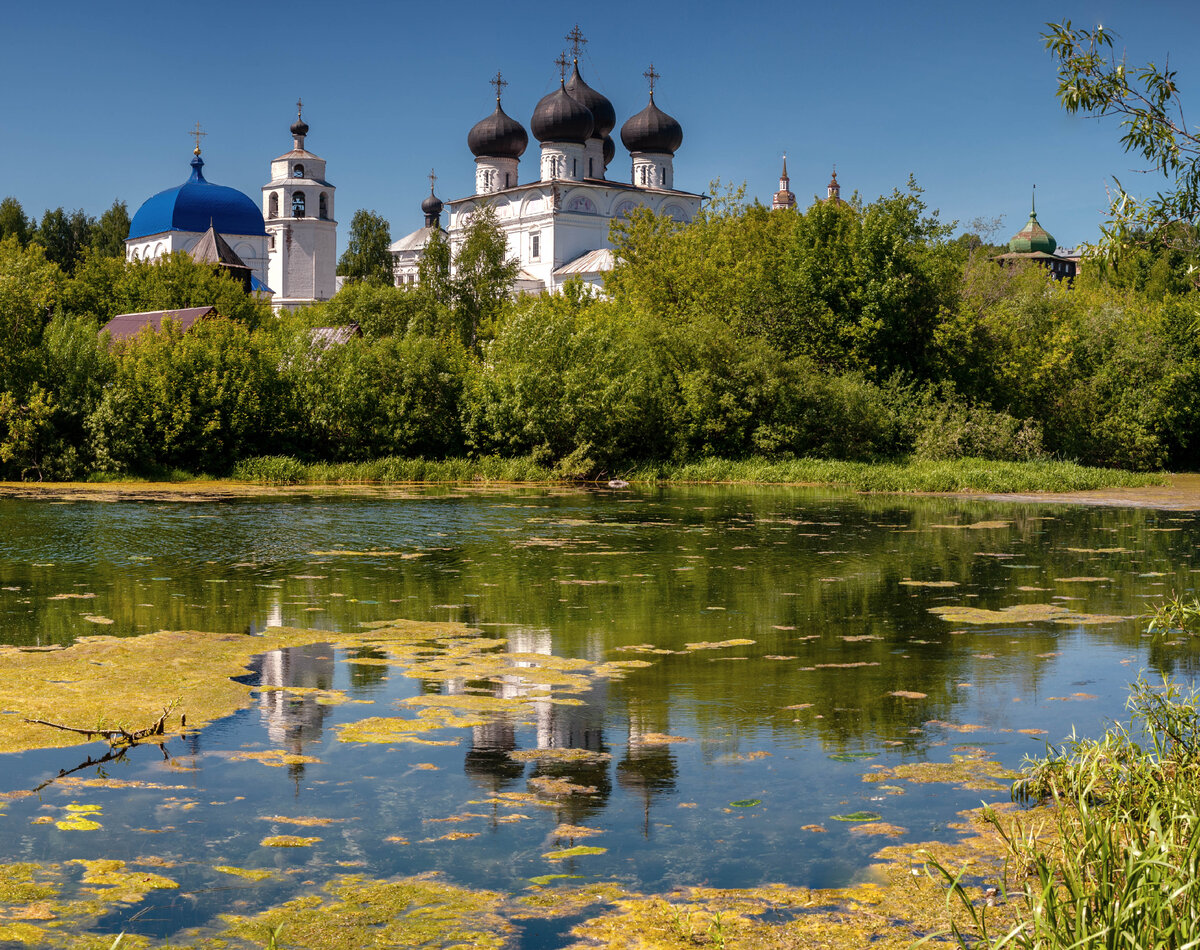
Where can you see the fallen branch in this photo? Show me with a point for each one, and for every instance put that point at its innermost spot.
(114, 737)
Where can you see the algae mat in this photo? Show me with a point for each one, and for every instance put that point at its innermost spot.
(110, 682)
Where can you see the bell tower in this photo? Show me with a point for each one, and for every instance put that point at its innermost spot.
(298, 211)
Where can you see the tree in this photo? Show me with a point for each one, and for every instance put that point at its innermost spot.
(112, 229)
(483, 274)
(65, 236)
(367, 257)
(13, 222)
(1146, 99)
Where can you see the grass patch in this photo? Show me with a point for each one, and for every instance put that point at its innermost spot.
(959, 475)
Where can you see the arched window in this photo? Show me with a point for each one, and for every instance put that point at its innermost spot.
(298, 204)
(273, 205)
(298, 171)
(323, 208)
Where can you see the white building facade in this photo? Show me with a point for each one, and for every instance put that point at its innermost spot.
(557, 225)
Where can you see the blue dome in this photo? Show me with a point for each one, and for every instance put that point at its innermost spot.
(196, 204)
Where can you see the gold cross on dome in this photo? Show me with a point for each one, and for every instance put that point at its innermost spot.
(432, 179)
(299, 108)
(499, 82)
(561, 63)
(577, 40)
(198, 134)
(652, 76)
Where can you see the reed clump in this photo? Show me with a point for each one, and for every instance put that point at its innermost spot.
(1109, 854)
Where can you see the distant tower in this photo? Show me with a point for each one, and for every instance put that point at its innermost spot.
(834, 190)
(299, 214)
(783, 197)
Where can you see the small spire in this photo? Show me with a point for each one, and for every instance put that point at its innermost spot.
(784, 175)
(1033, 203)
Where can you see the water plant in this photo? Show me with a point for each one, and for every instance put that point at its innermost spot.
(1110, 856)
(1176, 614)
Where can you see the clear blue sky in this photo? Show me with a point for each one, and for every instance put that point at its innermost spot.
(97, 98)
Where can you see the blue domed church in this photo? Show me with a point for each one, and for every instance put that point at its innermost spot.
(177, 218)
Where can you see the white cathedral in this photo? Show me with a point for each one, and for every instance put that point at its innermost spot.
(290, 244)
(557, 225)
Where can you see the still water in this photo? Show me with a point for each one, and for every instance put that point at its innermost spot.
(768, 740)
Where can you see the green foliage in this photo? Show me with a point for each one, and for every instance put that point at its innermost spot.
(367, 257)
(1176, 614)
(1119, 863)
(369, 398)
(25, 427)
(108, 237)
(482, 276)
(381, 310)
(1146, 101)
(191, 400)
(30, 289)
(13, 222)
(65, 236)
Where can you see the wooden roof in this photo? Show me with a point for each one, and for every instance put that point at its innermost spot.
(125, 325)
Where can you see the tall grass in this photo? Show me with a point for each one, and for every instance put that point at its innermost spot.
(1113, 858)
(1176, 614)
(971, 475)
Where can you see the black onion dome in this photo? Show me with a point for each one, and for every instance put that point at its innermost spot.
(432, 205)
(610, 149)
(498, 136)
(560, 118)
(603, 113)
(652, 130)
(299, 127)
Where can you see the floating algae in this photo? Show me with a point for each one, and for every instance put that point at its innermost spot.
(249, 874)
(1020, 613)
(275, 758)
(287, 841)
(575, 852)
(114, 883)
(975, 770)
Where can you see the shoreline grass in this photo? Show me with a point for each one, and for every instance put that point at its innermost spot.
(961, 475)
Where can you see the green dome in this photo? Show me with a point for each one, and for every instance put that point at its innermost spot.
(1032, 238)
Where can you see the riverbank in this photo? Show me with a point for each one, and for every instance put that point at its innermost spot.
(1018, 481)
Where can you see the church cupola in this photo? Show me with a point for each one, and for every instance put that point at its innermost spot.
(833, 191)
(299, 129)
(497, 142)
(783, 197)
(563, 126)
(432, 206)
(652, 138)
(1033, 238)
(604, 116)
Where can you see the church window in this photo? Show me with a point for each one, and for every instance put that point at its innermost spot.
(323, 208)
(274, 205)
(298, 171)
(298, 205)
(271, 240)
(574, 168)
(506, 177)
(662, 176)
(591, 172)
(535, 246)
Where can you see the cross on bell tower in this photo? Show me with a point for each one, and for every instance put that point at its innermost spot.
(577, 41)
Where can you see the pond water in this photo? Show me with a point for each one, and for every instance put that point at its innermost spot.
(720, 764)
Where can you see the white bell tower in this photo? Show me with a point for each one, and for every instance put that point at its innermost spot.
(301, 227)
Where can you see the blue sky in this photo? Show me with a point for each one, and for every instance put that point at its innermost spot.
(97, 98)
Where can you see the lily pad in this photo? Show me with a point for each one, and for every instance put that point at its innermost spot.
(746, 802)
(858, 816)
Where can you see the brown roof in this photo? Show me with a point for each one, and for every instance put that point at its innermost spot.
(125, 325)
(214, 249)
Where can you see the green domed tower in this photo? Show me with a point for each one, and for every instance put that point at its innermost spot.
(1033, 238)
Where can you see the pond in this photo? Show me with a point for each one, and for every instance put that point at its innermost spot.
(727, 664)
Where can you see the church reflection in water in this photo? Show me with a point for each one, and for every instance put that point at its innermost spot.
(645, 769)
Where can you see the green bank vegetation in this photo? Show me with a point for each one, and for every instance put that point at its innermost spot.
(849, 333)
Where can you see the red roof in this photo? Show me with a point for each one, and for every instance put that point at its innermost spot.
(126, 325)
